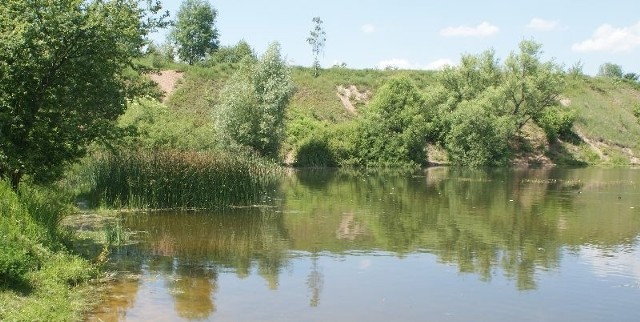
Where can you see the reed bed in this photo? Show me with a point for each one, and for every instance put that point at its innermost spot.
(181, 179)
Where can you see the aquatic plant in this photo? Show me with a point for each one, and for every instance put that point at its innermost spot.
(178, 179)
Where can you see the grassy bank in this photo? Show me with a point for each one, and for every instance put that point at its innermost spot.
(40, 279)
(606, 129)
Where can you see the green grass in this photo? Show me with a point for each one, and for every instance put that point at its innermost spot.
(40, 279)
(604, 108)
(605, 115)
(164, 179)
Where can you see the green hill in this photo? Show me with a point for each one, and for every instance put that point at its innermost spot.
(607, 132)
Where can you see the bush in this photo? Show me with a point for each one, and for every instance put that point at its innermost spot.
(556, 122)
(315, 152)
(154, 125)
(478, 138)
(394, 127)
(231, 54)
(15, 261)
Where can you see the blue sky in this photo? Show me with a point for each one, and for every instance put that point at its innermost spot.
(417, 34)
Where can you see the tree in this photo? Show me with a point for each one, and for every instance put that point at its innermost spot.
(508, 95)
(530, 86)
(317, 38)
(394, 126)
(194, 33)
(232, 54)
(66, 72)
(610, 70)
(252, 103)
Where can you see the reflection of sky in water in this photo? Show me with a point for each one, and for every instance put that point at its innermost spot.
(380, 286)
(617, 262)
(358, 254)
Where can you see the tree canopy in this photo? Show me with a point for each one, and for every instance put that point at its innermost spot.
(252, 103)
(194, 33)
(483, 104)
(66, 71)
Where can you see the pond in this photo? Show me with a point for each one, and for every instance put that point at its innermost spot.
(442, 244)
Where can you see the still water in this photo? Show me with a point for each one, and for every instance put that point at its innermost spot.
(439, 245)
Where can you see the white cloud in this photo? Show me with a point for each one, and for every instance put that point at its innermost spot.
(482, 30)
(439, 64)
(368, 28)
(396, 63)
(611, 39)
(542, 25)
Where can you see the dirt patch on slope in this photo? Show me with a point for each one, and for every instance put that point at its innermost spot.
(167, 80)
(351, 96)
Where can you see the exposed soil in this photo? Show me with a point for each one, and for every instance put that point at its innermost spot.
(167, 80)
(352, 95)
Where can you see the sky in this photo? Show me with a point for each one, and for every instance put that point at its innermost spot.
(414, 34)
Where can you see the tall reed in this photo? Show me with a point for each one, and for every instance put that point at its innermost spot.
(178, 179)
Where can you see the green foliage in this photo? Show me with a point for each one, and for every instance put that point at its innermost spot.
(315, 152)
(394, 127)
(65, 75)
(530, 86)
(556, 122)
(194, 33)
(477, 137)
(633, 77)
(504, 97)
(162, 56)
(157, 126)
(162, 179)
(576, 70)
(317, 39)
(610, 70)
(231, 54)
(38, 276)
(252, 104)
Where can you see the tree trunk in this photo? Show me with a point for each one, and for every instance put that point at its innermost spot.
(15, 180)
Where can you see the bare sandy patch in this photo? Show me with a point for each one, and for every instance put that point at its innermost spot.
(167, 80)
(351, 95)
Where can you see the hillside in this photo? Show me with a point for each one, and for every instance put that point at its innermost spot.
(606, 130)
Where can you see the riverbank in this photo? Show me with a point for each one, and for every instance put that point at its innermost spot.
(41, 278)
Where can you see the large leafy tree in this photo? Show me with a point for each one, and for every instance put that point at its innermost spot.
(484, 104)
(252, 104)
(194, 33)
(66, 71)
(530, 85)
(394, 126)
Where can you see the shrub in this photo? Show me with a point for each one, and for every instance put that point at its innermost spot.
(478, 138)
(393, 130)
(154, 125)
(315, 152)
(556, 122)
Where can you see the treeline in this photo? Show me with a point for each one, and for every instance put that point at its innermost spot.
(475, 111)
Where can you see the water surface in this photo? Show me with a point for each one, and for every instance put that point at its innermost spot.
(439, 245)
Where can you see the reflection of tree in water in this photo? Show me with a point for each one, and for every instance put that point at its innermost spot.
(477, 219)
(315, 282)
(189, 248)
(192, 287)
